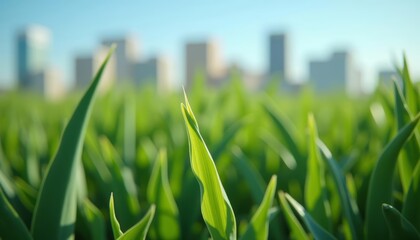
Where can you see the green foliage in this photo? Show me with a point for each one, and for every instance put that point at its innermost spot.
(215, 206)
(57, 182)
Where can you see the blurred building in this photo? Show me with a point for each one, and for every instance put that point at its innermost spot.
(154, 72)
(49, 83)
(33, 46)
(278, 57)
(203, 58)
(126, 54)
(86, 66)
(337, 73)
(33, 71)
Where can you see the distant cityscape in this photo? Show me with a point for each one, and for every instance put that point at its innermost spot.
(337, 73)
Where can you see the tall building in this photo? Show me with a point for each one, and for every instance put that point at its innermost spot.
(153, 71)
(86, 66)
(33, 45)
(337, 73)
(203, 58)
(278, 57)
(125, 54)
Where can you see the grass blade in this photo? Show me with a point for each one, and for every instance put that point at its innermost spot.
(139, 231)
(215, 206)
(381, 182)
(60, 179)
(116, 229)
(296, 229)
(166, 225)
(409, 156)
(258, 227)
(411, 202)
(399, 227)
(349, 207)
(11, 225)
(316, 229)
(315, 187)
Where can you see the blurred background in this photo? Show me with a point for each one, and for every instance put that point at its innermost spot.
(55, 48)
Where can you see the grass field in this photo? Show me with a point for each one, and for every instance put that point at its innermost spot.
(228, 164)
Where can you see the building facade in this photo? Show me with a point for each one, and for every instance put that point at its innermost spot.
(86, 66)
(337, 73)
(126, 54)
(33, 46)
(203, 58)
(153, 72)
(278, 57)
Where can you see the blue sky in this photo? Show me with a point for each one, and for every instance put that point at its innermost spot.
(377, 32)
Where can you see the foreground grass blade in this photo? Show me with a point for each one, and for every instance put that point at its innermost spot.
(258, 227)
(411, 202)
(215, 206)
(381, 182)
(315, 188)
(399, 227)
(55, 210)
(11, 226)
(116, 229)
(139, 231)
(296, 229)
(166, 223)
(349, 208)
(409, 156)
(317, 231)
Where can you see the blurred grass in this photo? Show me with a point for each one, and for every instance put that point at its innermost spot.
(251, 135)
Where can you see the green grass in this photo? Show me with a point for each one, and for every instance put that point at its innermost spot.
(130, 164)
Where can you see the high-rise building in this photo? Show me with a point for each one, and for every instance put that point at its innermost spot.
(337, 73)
(86, 66)
(203, 58)
(278, 53)
(33, 45)
(125, 54)
(154, 72)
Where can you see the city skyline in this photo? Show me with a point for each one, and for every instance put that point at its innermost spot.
(241, 29)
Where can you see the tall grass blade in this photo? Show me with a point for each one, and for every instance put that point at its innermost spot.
(258, 227)
(139, 231)
(58, 188)
(11, 225)
(348, 205)
(296, 229)
(381, 182)
(315, 228)
(166, 224)
(409, 156)
(116, 229)
(411, 202)
(315, 187)
(399, 227)
(215, 206)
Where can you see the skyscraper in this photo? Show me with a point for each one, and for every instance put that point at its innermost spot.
(33, 45)
(337, 73)
(125, 54)
(153, 71)
(86, 66)
(203, 58)
(278, 53)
